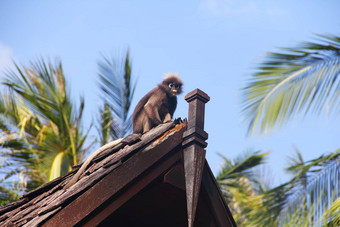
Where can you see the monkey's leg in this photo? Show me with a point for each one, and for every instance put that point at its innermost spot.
(151, 110)
(146, 125)
(167, 118)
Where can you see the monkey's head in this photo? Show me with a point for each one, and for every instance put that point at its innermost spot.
(172, 84)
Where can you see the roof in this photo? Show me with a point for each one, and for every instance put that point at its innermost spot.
(139, 181)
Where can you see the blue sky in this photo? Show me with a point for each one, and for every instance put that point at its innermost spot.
(214, 45)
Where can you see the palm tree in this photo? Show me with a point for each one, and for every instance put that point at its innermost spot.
(253, 202)
(240, 184)
(315, 186)
(42, 132)
(9, 190)
(117, 89)
(300, 80)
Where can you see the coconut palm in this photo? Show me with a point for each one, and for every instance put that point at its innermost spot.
(240, 184)
(9, 189)
(315, 186)
(117, 89)
(42, 132)
(300, 80)
(253, 202)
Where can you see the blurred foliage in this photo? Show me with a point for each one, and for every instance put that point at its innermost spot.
(41, 128)
(254, 203)
(296, 80)
(331, 216)
(117, 89)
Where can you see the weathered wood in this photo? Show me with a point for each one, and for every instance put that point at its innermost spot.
(133, 190)
(132, 168)
(114, 178)
(88, 180)
(12, 206)
(48, 186)
(69, 194)
(38, 220)
(218, 205)
(131, 139)
(196, 100)
(175, 177)
(194, 157)
(30, 210)
(193, 152)
(128, 140)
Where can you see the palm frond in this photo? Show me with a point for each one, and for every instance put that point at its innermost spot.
(58, 166)
(115, 81)
(301, 80)
(249, 199)
(7, 196)
(44, 124)
(331, 217)
(105, 119)
(314, 185)
(302, 200)
(240, 168)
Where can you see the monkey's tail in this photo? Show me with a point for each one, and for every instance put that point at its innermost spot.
(88, 160)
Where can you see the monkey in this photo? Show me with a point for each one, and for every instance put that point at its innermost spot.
(157, 106)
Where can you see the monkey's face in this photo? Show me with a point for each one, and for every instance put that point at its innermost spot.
(175, 88)
(172, 84)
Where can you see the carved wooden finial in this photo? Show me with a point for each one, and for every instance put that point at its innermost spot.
(193, 152)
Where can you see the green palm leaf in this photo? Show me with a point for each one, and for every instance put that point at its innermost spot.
(243, 167)
(314, 185)
(240, 184)
(115, 81)
(300, 80)
(43, 126)
(7, 196)
(332, 215)
(59, 166)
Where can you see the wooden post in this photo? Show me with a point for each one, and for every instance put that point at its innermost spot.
(193, 150)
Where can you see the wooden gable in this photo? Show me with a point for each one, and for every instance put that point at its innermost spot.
(139, 182)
